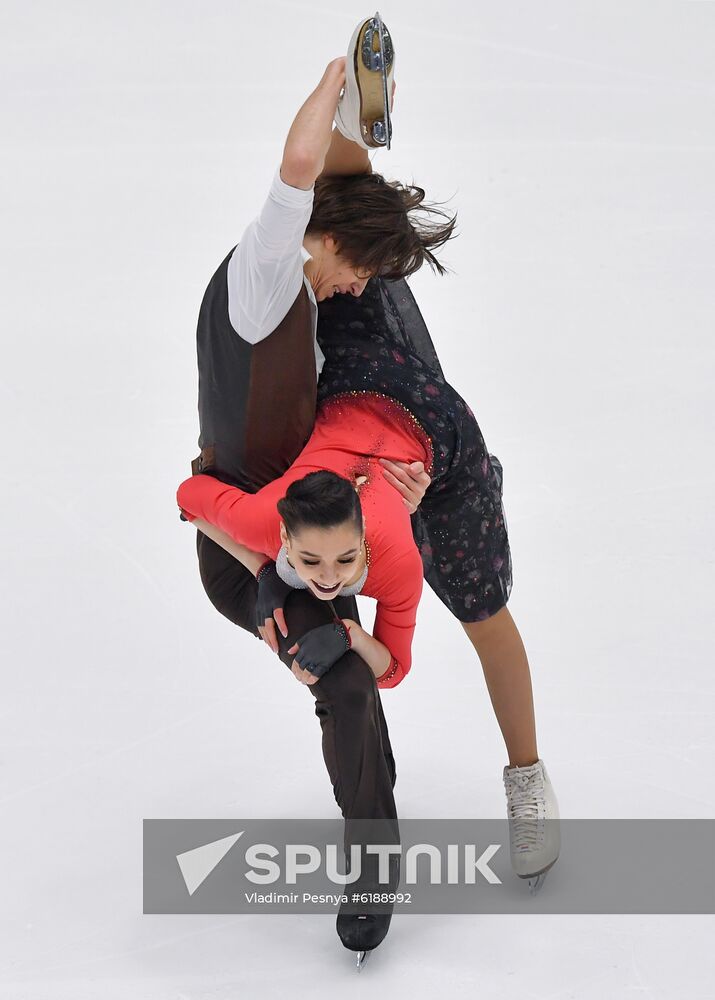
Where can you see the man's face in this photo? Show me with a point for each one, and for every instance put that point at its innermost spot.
(333, 275)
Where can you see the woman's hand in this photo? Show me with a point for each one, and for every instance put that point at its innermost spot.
(304, 676)
(270, 598)
(409, 479)
(319, 649)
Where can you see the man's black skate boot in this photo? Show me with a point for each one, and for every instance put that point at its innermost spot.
(362, 926)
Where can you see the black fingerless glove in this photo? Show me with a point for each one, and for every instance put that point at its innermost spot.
(272, 592)
(320, 648)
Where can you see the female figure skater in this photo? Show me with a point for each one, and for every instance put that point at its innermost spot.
(333, 526)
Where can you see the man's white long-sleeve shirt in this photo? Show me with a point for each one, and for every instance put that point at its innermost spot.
(266, 268)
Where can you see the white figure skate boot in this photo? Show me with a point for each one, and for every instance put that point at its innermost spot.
(534, 834)
(363, 112)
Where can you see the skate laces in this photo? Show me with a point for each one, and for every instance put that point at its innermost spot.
(527, 805)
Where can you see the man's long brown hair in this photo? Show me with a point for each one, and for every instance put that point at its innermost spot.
(375, 225)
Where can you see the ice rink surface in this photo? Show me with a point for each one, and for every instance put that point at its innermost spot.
(575, 140)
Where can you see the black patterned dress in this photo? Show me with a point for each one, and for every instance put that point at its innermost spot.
(379, 343)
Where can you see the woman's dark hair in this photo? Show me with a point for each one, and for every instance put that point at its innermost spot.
(320, 500)
(372, 221)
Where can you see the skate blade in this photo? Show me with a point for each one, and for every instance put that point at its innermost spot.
(535, 884)
(536, 880)
(362, 957)
(376, 130)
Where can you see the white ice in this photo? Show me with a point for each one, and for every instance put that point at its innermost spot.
(576, 142)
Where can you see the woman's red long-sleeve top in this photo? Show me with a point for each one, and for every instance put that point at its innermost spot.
(351, 432)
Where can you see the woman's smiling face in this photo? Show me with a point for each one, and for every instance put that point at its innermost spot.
(326, 559)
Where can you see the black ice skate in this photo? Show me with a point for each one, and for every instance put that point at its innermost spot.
(363, 926)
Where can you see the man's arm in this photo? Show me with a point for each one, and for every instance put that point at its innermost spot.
(409, 479)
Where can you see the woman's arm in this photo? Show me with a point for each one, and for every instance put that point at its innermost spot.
(345, 157)
(388, 651)
(396, 616)
(248, 520)
(377, 656)
(250, 559)
(310, 136)
(326, 649)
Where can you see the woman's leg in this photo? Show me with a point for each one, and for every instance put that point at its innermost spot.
(506, 671)
(532, 807)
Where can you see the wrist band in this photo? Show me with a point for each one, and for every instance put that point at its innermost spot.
(344, 631)
(391, 670)
(262, 567)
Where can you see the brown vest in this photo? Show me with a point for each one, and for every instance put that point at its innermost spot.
(256, 402)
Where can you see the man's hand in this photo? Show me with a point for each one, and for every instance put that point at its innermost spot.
(409, 479)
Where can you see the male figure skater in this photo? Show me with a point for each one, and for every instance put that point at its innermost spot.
(329, 223)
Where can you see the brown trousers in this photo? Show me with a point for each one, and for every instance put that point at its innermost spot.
(356, 743)
(256, 410)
